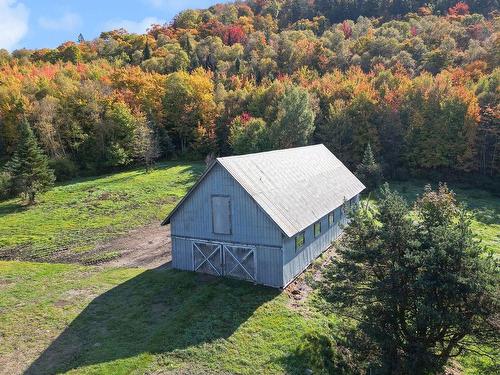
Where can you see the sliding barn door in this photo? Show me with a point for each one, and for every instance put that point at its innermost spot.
(207, 258)
(239, 262)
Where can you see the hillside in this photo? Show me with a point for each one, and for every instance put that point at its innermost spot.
(419, 83)
(68, 222)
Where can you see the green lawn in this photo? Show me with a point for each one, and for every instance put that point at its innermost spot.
(78, 214)
(94, 320)
(118, 321)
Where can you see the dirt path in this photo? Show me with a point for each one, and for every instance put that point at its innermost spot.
(146, 247)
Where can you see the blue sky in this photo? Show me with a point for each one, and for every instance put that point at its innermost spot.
(44, 23)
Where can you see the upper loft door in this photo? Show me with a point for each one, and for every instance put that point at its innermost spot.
(221, 214)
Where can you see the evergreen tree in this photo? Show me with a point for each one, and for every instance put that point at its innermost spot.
(419, 284)
(29, 170)
(147, 52)
(81, 39)
(237, 65)
(369, 171)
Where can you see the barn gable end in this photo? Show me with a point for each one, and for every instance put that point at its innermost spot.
(243, 216)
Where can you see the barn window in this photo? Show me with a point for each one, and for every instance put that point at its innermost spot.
(317, 229)
(221, 214)
(299, 240)
(331, 218)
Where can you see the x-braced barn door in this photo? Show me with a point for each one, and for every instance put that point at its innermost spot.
(207, 258)
(239, 262)
(225, 260)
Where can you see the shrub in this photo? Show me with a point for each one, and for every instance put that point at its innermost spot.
(5, 185)
(64, 169)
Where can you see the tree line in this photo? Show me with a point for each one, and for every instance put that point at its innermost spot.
(421, 88)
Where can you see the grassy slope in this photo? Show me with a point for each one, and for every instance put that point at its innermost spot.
(79, 214)
(95, 320)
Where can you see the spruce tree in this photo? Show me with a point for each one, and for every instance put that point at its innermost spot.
(237, 65)
(369, 171)
(420, 286)
(29, 169)
(147, 52)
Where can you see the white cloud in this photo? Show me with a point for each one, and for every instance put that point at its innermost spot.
(137, 27)
(67, 22)
(13, 23)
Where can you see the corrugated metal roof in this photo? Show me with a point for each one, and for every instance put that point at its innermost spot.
(295, 187)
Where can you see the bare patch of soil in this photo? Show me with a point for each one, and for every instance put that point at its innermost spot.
(300, 288)
(146, 247)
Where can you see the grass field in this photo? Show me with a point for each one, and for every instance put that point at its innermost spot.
(79, 214)
(94, 320)
(118, 321)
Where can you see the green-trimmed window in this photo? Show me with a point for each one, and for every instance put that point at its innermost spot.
(300, 239)
(331, 218)
(317, 229)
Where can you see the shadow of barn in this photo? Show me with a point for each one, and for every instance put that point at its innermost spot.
(158, 311)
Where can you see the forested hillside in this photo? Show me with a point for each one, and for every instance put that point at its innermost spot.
(419, 83)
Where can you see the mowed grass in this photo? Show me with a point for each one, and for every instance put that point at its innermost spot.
(89, 320)
(78, 214)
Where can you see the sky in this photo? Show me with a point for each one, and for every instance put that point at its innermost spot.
(44, 23)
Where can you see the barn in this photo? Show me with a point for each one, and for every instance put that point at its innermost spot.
(262, 217)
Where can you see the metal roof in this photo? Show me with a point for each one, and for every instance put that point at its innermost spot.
(295, 187)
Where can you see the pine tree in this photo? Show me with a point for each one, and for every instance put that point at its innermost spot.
(81, 39)
(29, 169)
(369, 171)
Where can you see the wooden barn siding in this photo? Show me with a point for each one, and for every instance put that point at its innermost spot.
(182, 258)
(250, 225)
(294, 262)
(269, 261)
(269, 266)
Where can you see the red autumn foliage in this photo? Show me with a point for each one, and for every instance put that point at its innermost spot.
(458, 10)
(245, 117)
(233, 34)
(346, 29)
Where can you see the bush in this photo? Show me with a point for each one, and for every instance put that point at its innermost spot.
(5, 185)
(64, 169)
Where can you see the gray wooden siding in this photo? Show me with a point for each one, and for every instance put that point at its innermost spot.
(269, 266)
(250, 225)
(269, 261)
(182, 257)
(294, 262)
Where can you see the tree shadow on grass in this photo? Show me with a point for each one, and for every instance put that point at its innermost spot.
(12, 207)
(158, 311)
